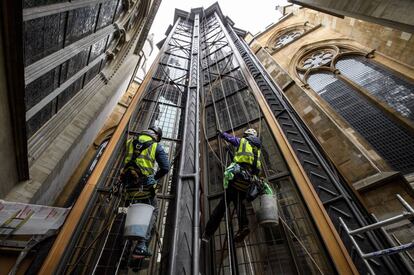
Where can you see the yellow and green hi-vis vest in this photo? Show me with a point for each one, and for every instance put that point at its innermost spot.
(245, 154)
(145, 160)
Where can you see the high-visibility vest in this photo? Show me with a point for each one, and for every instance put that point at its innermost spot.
(145, 159)
(246, 154)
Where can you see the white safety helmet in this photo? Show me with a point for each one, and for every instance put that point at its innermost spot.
(250, 132)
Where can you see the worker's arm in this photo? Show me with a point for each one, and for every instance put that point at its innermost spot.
(163, 163)
(235, 141)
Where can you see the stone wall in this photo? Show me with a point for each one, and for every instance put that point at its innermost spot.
(353, 156)
(396, 14)
(366, 172)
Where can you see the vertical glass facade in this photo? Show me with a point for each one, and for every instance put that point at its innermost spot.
(228, 104)
(163, 105)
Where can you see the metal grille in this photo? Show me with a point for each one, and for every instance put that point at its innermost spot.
(380, 82)
(390, 140)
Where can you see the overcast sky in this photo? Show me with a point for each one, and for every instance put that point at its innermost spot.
(249, 15)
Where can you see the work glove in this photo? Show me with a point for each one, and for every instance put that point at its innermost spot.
(150, 181)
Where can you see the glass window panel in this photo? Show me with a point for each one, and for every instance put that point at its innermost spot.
(272, 160)
(97, 49)
(69, 92)
(230, 106)
(214, 35)
(143, 115)
(41, 87)
(175, 61)
(119, 10)
(167, 118)
(74, 65)
(229, 83)
(171, 93)
(222, 66)
(81, 22)
(211, 127)
(380, 82)
(293, 211)
(174, 49)
(215, 172)
(250, 104)
(183, 36)
(106, 14)
(219, 53)
(43, 36)
(40, 118)
(392, 141)
(89, 75)
(170, 73)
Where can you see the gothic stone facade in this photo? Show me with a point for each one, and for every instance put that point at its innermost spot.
(351, 83)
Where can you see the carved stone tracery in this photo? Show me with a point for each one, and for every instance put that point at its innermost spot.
(287, 35)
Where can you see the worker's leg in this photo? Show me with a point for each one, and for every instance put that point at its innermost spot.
(241, 212)
(141, 249)
(218, 213)
(241, 217)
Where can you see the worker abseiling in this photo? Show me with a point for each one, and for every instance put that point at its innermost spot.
(239, 177)
(140, 179)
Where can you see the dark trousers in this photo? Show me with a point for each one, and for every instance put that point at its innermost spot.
(232, 195)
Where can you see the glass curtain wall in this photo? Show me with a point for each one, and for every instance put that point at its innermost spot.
(228, 104)
(163, 105)
(100, 248)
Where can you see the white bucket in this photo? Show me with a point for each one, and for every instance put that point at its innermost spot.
(266, 210)
(138, 219)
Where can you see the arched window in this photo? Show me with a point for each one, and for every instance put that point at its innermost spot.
(287, 38)
(287, 35)
(394, 142)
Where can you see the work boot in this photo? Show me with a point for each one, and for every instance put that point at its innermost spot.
(141, 251)
(241, 234)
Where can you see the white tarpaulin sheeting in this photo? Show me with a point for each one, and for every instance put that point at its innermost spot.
(42, 218)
